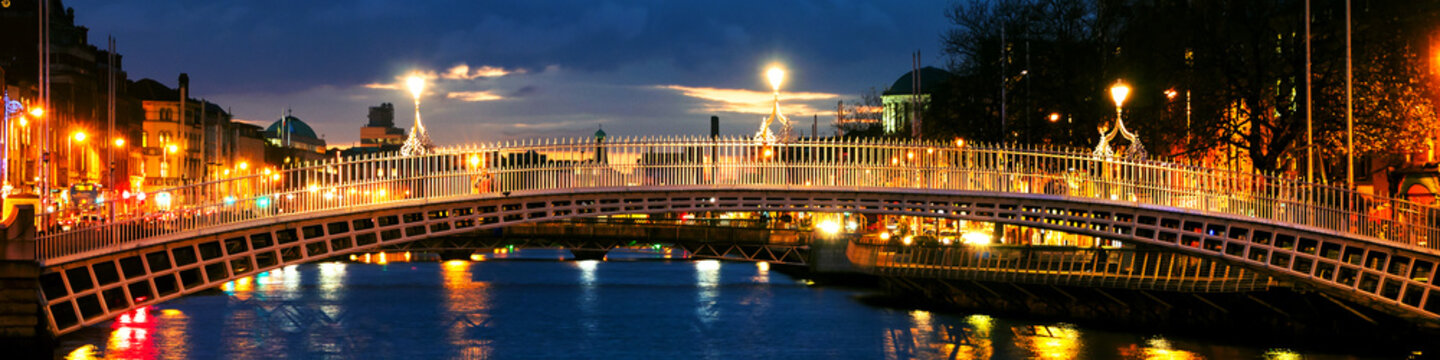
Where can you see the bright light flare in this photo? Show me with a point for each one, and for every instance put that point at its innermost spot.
(172, 148)
(975, 238)
(416, 84)
(707, 265)
(829, 227)
(776, 76)
(79, 136)
(119, 142)
(37, 112)
(1119, 92)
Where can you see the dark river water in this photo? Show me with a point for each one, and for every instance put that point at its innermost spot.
(590, 309)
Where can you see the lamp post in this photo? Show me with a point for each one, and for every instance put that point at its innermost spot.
(419, 141)
(76, 137)
(165, 168)
(1119, 92)
(776, 75)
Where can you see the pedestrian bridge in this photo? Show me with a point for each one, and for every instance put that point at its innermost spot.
(1373, 251)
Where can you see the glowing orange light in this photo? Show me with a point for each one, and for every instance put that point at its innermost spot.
(1119, 92)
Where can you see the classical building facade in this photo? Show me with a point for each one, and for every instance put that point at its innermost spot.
(903, 101)
(173, 137)
(80, 77)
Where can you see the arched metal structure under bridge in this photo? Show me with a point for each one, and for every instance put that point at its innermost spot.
(1371, 250)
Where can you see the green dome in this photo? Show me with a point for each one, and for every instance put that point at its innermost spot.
(930, 79)
(600, 134)
(296, 128)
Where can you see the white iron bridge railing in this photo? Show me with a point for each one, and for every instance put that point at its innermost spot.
(567, 165)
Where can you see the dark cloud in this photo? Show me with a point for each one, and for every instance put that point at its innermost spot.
(524, 91)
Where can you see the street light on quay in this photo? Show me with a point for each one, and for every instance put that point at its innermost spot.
(1119, 92)
(76, 137)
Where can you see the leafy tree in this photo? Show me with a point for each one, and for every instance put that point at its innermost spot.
(1217, 80)
(861, 118)
(1046, 64)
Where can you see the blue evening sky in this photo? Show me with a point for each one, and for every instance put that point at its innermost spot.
(510, 69)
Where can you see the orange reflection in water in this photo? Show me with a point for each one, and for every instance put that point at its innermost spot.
(1156, 349)
(467, 302)
(927, 339)
(1048, 341)
(132, 336)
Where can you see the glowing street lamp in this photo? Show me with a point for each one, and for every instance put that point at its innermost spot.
(776, 75)
(77, 136)
(243, 166)
(1119, 92)
(119, 142)
(419, 141)
(416, 84)
(37, 112)
(165, 164)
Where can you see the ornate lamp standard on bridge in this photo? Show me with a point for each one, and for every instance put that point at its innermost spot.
(1136, 150)
(1119, 92)
(776, 75)
(419, 141)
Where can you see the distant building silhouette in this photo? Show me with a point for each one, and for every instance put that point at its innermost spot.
(897, 99)
(381, 132)
(293, 140)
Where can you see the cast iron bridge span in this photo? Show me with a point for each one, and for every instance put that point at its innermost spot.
(1374, 251)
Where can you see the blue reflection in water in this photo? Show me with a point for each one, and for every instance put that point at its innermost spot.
(582, 309)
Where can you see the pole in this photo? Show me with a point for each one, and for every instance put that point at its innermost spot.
(1003, 81)
(1309, 119)
(1349, 106)
(45, 106)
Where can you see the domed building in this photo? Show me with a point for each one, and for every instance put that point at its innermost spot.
(900, 99)
(295, 139)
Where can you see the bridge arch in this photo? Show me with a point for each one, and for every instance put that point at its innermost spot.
(1309, 234)
(100, 287)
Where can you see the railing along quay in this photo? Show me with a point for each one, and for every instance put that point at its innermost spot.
(563, 166)
(1125, 268)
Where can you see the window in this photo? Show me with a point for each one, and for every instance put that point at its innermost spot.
(144, 139)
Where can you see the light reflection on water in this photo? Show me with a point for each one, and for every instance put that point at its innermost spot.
(584, 309)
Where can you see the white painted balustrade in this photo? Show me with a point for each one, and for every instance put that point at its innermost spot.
(560, 166)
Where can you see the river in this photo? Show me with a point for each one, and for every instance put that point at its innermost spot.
(637, 309)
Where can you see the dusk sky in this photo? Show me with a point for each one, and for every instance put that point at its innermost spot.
(522, 69)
